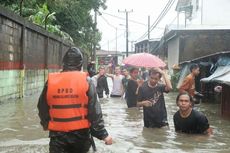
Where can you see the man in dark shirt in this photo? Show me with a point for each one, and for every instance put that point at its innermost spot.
(91, 69)
(151, 97)
(132, 88)
(102, 84)
(188, 120)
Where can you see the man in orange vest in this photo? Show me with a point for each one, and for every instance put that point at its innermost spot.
(69, 109)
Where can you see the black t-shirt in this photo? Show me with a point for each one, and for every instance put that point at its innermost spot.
(125, 82)
(195, 123)
(102, 85)
(131, 97)
(155, 116)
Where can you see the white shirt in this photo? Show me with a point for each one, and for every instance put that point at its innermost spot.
(117, 85)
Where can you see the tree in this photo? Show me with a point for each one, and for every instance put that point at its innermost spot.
(44, 18)
(75, 18)
(72, 17)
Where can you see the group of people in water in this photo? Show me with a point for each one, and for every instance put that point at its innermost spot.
(149, 92)
(69, 106)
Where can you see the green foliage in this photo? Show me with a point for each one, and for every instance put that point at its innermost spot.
(44, 18)
(75, 18)
(27, 6)
(72, 19)
(175, 79)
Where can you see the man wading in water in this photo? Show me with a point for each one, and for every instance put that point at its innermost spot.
(69, 109)
(151, 98)
(188, 120)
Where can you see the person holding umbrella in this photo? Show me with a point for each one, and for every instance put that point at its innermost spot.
(151, 98)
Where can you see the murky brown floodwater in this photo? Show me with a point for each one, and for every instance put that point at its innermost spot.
(20, 131)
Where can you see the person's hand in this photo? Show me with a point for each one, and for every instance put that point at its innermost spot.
(159, 70)
(218, 89)
(147, 103)
(140, 82)
(108, 140)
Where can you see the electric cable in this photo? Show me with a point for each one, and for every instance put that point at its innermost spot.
(159, 18)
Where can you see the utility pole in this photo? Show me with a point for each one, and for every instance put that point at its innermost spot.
(132, 45)
(94, 45)
(116, 40)
(148, 34)
(116, 47)
(148, 27)
(201, 16)
(127, 29)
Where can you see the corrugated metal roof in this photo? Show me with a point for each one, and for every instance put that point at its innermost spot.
(225, 79)
(104, 52)
(183, 5)
(221, 75)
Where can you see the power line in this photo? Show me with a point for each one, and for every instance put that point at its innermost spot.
(118, 28)
(169, 7)
(133, 21)
(113, 39)
(127, 29)
(108, 22)
(159, 18)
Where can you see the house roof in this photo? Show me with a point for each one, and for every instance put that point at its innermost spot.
(221, 75)
(105, 53)
(173, 33)
(219, 54)
(146, 40)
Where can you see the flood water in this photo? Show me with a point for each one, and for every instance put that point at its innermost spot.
(20, 131)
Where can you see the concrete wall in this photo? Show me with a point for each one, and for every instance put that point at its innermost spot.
(27, 54)
(202, 43)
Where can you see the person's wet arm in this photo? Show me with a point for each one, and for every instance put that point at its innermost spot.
(203, 125)
(175, 123)
(184, 86)
(168, 85)
(141, 100)
(43, 109)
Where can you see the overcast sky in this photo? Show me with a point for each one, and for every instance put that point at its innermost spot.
(141, 10)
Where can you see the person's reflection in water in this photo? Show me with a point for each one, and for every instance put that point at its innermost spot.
(134, 114)
(155, 138)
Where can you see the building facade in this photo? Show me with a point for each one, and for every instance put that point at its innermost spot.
(205, 13)
(146, 46)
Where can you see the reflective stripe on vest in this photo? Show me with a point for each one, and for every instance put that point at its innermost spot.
(68, 102)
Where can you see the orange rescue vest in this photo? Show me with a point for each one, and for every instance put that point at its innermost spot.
(68, 101)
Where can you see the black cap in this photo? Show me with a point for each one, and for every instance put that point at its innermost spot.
(73, 59)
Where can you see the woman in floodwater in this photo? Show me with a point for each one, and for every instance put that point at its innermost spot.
(188, 120)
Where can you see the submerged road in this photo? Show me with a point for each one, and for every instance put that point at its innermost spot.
(20, 131)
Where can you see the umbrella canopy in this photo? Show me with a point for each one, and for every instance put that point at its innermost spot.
(144, 60)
